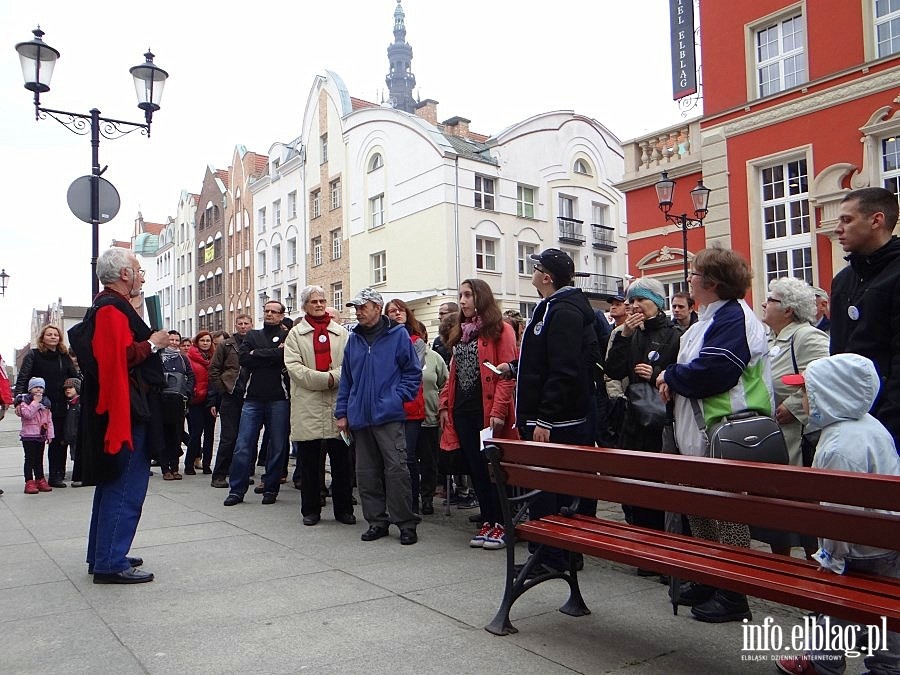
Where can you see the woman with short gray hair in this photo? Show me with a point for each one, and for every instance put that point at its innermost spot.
(789, 310)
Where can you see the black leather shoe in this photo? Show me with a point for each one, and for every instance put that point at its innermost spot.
(269, 498)
(298, 485)
(134, 562)
(408, 536)
(207, 470)
(427, 509)
(346, 518)
(129, 576)
(189, 471)
(232, 499)
(311, 519)
(56, 483)
(723, 606)
(374, 532)
(218, 483)
(694, 594)
(259, 489)
(475, 518)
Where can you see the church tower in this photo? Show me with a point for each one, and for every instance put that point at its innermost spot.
(400, 80)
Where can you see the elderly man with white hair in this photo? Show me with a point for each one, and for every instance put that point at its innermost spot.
(313, 354)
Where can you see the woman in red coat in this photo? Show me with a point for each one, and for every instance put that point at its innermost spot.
(201, 415)
(474, 398)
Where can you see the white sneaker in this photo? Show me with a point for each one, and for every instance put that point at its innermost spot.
(496, 538)
(478, 540)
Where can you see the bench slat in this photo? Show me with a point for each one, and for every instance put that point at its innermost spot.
(821, 596)
(795, 483)
(835, 522)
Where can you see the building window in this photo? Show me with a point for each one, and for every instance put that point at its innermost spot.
(276, 212)
(566, 206)
(780, 55)
(217, 248)
(379, 267)
(292, 204)
(276, 257)
(336, 244)
(260, 263)
(887, 27)
(335, 188)
(785, 221)
(261, 220)
(200, 288)
(317, 251)
(376, 211)
(485, 254)
(315, 207)
(582, 167)
(523, 262)
(484, 193)
(376, 162)
(337, 295)
(599, 214)
(217, 284)
(524, 201)
(890, 163)
(526, 309)
(291, 251)
(323, 145)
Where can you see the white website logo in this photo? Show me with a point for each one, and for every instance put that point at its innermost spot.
(813, 635)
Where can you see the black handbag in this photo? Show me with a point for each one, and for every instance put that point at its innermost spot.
(746, 436)
(645, 405)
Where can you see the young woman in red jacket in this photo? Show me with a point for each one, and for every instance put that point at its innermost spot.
(201, 415)
(475, 398)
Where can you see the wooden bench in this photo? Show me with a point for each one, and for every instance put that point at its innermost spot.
(774, 496)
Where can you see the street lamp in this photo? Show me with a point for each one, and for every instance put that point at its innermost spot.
(289, 300)
(4, 278)
(665, 193)
(38, 59)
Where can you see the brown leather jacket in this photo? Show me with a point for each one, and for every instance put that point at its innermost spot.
(224, 368)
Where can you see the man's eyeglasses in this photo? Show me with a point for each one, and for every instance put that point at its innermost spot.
(138, 272)
(538, 268)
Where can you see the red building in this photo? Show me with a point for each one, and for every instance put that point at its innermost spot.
(801, 103)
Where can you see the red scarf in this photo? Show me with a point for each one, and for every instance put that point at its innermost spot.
(321, 341)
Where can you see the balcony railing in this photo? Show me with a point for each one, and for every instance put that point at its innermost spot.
(604, 237)
(570, 230)
(600, 284)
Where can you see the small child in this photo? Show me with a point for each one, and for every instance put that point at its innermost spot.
(839, 391)
(37, 431)
(72, 390)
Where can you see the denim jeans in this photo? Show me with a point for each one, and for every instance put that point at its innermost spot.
(275, 415)
(117, 507)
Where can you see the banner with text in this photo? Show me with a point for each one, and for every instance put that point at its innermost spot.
(684, 57)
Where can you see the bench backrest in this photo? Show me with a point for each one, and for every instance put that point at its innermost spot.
(776, 496)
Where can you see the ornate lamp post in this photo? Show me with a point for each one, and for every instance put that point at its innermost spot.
(38, 59)
(665, 193)
(4, 279)
(289, 303)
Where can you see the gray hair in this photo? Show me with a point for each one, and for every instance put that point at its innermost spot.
(307, 293)
(796, 295)
(111, 262)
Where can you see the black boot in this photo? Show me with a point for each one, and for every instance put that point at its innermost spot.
(723, 606)
(692, 593)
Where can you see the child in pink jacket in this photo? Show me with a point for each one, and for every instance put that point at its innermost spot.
(37, 431)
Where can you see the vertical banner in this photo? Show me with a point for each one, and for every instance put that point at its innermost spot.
(684, 57)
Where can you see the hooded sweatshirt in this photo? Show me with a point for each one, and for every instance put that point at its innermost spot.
(841, 389)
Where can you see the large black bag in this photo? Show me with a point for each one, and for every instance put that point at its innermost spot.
(645, 405)
(746, 436)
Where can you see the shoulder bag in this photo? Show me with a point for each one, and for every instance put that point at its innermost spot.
(746, 436)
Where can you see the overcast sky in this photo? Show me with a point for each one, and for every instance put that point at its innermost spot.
(240, 74)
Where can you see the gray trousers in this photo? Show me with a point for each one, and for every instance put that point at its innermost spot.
(383, 477)
(882, 661)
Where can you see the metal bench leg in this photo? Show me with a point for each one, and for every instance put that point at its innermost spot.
(500, 625)
(575, 605)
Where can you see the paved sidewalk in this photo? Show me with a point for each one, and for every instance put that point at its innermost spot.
(249, 589)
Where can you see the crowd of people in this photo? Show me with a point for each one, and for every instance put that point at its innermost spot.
(386, 409)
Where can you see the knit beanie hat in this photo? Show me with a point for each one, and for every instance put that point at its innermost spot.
(649, 289)
(73, 382)
(36, 382)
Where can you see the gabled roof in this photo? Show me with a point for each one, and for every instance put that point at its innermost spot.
(222, 175)
(153, 228)
(121, 244)
(470, 149)
(358, 103)
(259, 164)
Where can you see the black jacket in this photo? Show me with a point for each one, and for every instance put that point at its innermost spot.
(557, 362)
(267, 379)
(871, 284)
(55, 367)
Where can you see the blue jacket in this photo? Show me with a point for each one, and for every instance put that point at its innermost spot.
(376, 379)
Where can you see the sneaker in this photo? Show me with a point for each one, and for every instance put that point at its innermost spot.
(796, 665)
(478, 540)
(44, 486)
(31, 487)
(77, 483)
(496, 538)
(470, 502)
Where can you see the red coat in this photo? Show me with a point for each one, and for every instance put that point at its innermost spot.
(415, 409)
(6, 397)
(497, 395)
(200, 366)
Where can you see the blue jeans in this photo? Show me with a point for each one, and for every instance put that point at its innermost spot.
(117, 507)
(275, 415)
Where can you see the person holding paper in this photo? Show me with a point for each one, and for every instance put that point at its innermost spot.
(313, 354)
